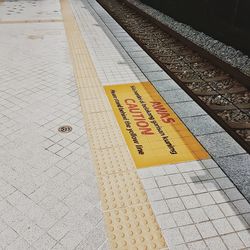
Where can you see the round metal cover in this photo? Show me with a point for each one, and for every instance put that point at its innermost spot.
(65, 129)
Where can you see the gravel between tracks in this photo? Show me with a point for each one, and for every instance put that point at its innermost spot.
(226, 53)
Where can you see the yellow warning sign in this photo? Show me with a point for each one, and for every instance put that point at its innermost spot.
(153, 132)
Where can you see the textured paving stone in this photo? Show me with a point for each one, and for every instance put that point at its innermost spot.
(187, 109)
(173, 96)
(202, 125)
(238, 169)
(165, 85)
(220, 144)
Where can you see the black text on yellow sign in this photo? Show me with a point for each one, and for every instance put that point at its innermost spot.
(153, 132)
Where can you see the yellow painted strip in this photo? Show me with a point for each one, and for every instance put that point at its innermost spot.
(129, 219)
(153, 132)
(29, 21)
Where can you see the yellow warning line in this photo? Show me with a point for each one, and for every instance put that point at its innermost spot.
(154, 133)
(30, 21)
(129, 218)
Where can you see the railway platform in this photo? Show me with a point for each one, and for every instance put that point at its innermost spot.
(100, 148)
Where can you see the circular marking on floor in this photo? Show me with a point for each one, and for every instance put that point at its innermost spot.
(65, 129)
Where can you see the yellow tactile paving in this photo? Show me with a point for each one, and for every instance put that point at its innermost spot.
(113, 160)
(106, 138)
(130, 221)
(120, 190)
(153, 132)
(133, 228)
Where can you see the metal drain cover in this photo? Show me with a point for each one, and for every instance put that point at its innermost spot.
(65, 129)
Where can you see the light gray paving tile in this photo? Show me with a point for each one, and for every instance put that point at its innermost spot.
(149, 183)
(190, 166)
(146, 67)
(182, 218)
(228, 209)
(242, 205)
(105, 246)
(7, 236)
(205, 199)
(247, 218)
(19, 244)
(176, 179)
(183, 190)
(216, 173)
(233, 194)
(165, 221)
(215, 243)
(213, 212)
(144, 60)
(59, 230)
(32, 234)
(160, 207)
(187, 109)
(94, 239)
(191, 177)
(245, 237)
(190, 201)
(197, 187)
(175, 204)
(163, 181)
(211, 185)
(190, 233)
(3, 225)
(174, 96)
(197, 245)
(157, 76)
(157, 171)
(45, 242)
(169, 192)
(180, 247)
(203, 175)
(237, 168)
(170, 169)
(202, 125)
(206, 229)
(219, 196)
(71, 240)
(144, 173)
(173, 236)
(233, 241)
(165, 85)
(222, 226)
(55, 148)
(154, 194)
(225, 183)
(209, 163)
(238, 222)
(220, 144)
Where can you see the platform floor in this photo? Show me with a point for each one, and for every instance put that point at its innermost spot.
(144, 167)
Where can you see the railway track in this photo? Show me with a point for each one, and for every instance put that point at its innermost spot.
(223, 95)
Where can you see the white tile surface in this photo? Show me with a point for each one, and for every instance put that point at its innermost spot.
(44, 174)
(113, 65)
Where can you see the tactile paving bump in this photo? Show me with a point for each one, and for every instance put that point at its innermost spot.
(102, 120)
(106, 138)
(92, 93)
(134, 228)
(121, 190)
(130, 221)
(113, 160)
(94, 106)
